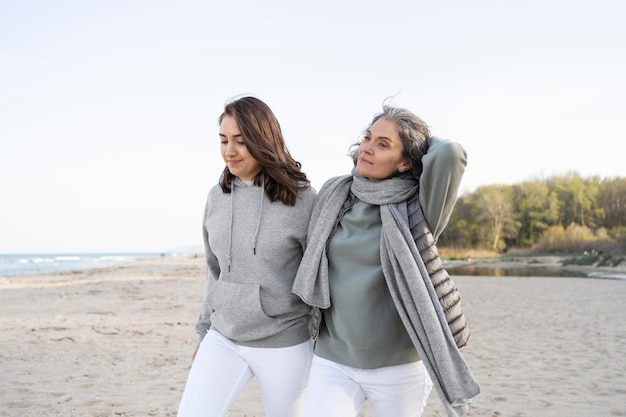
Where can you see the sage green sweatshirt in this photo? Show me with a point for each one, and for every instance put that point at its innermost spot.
(362, 327)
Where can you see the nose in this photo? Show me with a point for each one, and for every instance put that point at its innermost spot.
(366, 147)
(230, 148)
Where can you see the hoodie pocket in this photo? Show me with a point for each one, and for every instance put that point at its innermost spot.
(237, 311)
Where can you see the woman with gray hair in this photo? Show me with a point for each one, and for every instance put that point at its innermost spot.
(387, 318)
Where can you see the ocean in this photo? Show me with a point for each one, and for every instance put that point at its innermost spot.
(29, 264)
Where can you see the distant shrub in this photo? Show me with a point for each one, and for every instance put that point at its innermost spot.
(617, 260)
(605, 260)
(575, 238)
(617, 233)
(602, 260)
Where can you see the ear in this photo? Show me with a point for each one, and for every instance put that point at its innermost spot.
(405, 165)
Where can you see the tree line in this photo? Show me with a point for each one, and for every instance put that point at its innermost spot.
(560, 213)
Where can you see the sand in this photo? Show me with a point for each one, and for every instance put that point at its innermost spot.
(117, 341)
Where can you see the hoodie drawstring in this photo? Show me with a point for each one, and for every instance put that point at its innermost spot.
(258, 223)
(230, 226)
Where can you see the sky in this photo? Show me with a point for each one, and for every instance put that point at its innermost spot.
(108, 109)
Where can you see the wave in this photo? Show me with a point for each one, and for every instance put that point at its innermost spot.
(29, 264)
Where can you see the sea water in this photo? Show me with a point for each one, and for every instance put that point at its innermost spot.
(29, 264)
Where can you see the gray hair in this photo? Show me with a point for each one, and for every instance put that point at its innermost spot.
(413, 132)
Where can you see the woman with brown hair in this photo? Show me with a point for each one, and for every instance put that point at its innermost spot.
(254, 228)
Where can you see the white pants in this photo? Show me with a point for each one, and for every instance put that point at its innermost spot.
(337, 390)
(222, 369)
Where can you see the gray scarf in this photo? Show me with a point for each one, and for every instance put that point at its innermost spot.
(405, 274)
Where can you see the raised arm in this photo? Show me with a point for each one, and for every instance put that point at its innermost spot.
(444, 165)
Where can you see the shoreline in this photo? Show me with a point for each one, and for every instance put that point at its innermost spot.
(511, 263)
(13, 265)
(118, 341)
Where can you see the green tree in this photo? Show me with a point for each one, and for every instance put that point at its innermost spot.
(537, 209)
(563, 212)
(577, 200)
(612, 199)
(496, 213)
(461, 230)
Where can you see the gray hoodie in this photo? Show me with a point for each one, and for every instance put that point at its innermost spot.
(253, 248)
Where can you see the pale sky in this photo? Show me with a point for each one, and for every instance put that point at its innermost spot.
(108, 109)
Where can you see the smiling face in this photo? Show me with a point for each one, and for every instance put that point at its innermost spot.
(235, 152)
(380, 152)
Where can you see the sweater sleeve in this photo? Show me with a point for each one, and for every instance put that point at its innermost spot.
(443, 168)
(212, 273)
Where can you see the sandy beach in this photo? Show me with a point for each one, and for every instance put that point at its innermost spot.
(117, 341)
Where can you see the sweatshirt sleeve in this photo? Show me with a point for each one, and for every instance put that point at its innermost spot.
(212, 273)
(443, 168)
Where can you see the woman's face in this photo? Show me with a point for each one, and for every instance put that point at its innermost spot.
(380, 152)
(235, 152)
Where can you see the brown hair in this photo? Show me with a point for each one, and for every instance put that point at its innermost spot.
(263, 137)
